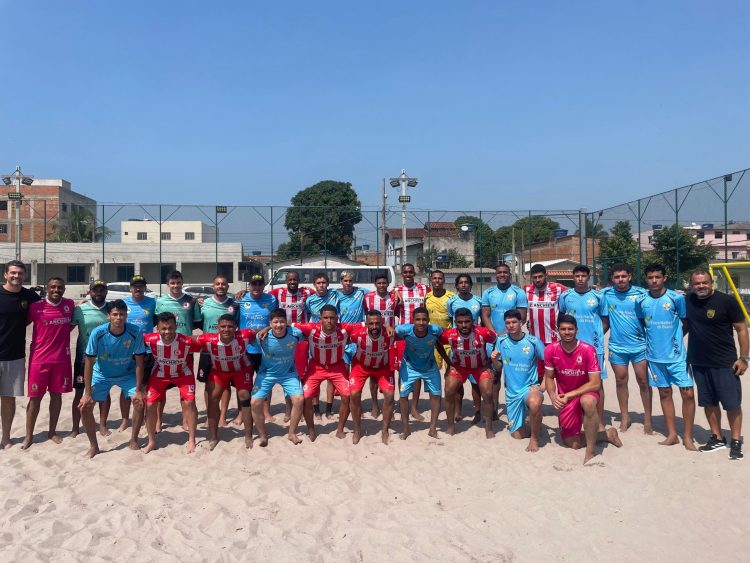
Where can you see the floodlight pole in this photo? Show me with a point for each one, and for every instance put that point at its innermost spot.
(18, 197)
(403, 180)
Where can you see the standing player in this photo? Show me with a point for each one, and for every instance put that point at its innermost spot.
(627, 341)
(585, 305)
(409, 296)
(278, 366)
(519, 353)
(371, 361)
(383, 302)
(172, 353)
(662, 312)
(712, 355)
(572, 381)
(496, 300)
(469, 359)
(351, 299)
(542, 296)
(14, 307)
(230, 365)
(49, 357)
(87, 316)
(255, 313)
(327, 342)
(211, 308)
(114, 356)
(421, 339)
(141, 313)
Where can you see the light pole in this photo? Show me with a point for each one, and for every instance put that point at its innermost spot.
(217, 210)
(17, 196)
(403, 180)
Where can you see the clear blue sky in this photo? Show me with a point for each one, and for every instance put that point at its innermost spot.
(491, 104)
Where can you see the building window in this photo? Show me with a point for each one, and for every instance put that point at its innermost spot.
(3, 229)
(700, 235)
(124, 273)
(719, 234)
(735, 232)
(141, 236)
(3, 206)
(747, 236)
(166, 236)
(76, 274)
(189, 236)
(65, 207)
(735, 255)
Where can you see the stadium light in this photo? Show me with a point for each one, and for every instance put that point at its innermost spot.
(403, 181)
(17, 196)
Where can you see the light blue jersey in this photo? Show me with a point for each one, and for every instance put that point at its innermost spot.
(661, 318)
(520, 360)
(141, 313)
(352, 306)
(501, 300)
(255, 314)
(278, 353)
(586, 308)
(626, 335)
(114, 353)
(473, 304)
(419, 352)
(314, 303)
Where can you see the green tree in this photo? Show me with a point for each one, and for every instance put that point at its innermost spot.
(619, 246)
(485, 249)
(538, 226)
(427, 258)
(691, 253)
(80, 226)
(594, 231)
(322, 216)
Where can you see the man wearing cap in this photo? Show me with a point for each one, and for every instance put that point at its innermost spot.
(87, 316)
(255, 313)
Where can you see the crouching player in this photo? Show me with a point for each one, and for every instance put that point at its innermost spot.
(519, 354)
(278, 349)
(229, 366)
(172, 355)
(574, 366)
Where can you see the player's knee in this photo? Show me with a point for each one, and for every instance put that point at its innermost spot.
(588, 403)
(535, 401)
(687, 393)
(243, 395)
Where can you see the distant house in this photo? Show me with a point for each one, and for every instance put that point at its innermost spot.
(736, 243)
(439, 235)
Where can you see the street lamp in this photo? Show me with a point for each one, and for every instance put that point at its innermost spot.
(17, 196)
(403, 180)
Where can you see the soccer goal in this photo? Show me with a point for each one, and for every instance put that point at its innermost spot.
(734, 278)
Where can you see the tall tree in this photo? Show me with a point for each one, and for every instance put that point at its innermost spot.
(619, 246)
(593, 231)
(688, 255)
(427, 259)
(321, 217)
(485, 249)
(538, 227)
(80, 226)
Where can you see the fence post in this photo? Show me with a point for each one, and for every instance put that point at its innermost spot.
(583, 236)
(45, 240)
(270, 275)
(677, 237)
(528, 240)
(638, 257)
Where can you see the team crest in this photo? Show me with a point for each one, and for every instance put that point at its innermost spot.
(526, 349)
(510, 297)
(230, 309)
(126, 344)
(104, 356)
(710, 313)
(632, 297)
(666, 306)
(187, 305)
(290, 345)
(591, 301)
(579, 359)
(24, 304)
(34, 387)
(66, 308)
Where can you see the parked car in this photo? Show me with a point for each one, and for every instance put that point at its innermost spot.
(199, 290)
(120, 290)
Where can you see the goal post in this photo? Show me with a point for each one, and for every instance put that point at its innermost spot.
(734, 278)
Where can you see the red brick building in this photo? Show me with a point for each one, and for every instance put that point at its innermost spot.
(46, 202)
(568, 247)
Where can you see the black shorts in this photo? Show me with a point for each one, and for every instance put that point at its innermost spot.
(148, 367)
(204, 366)
(717, 385)
(255, 359)
(78, 366)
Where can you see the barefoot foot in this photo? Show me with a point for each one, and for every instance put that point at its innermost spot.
(26, 443)
(312, 435)
(249, 442)
(212, 444)
(123, 426)
(385, 436)
(689, 445)
(92, 452)
(404, 435)
(294, 439)
(533, 446)
(104, 431)
(190, 446)
(133, 445)
(340, 434)
(55, 437)
(416, 416)
(489, 434)
(613, 437)
(433, 433)
(356, 437)
(670, 441)
(151, 446)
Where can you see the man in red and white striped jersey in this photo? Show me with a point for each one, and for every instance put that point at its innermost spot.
(230, 365)
(172, 355)
(409, 295)
(542, 296)
(383, 301)
(468, 358)
(371, 361)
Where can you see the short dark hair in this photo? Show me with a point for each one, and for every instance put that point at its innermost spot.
(409, 264)
(374, 313)
(118, 304)
(323, 276)
(325, 308)
(620, 267)
(569, 319)
(174, 275)
(381, 276)
(512, 314)
(277, 313)
(502, 265)
(220, 277)
(421, 311)
(464, 276)
(56, 278)
(227, 317)
(655, 267)
(166, 317)
(462, 312)
(538, 269)
(582, 268)
(701, 272)
(14, 263)
(441, 272)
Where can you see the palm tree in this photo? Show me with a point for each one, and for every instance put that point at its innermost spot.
(81, 227)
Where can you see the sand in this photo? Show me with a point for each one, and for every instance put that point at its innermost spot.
(460, 498)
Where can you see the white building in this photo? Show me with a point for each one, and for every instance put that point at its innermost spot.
(148, 231)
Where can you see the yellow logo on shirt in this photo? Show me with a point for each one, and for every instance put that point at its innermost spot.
(126, 344)
(666, 306)
(710, 313)
(591, 301)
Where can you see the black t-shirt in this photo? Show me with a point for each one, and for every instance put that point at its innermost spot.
(14, 309)
(711, 337)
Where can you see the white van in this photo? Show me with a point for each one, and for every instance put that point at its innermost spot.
(364, 276)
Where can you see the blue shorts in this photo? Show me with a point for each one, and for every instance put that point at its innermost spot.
(717, 385)
(602, 366)
(408, 377)
(517, 410)
(264, 382)
(100, 386)
(667, 374)
(625, 358)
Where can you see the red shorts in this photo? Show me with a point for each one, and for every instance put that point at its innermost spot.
(240, 379)
(157, 388)
(396, 354)
(318, 373)
(55, 377)
(540, 369)
(571, 416)
(463, 374)
(301, 355)
(359, 375)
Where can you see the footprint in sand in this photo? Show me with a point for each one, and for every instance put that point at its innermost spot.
(562, 468)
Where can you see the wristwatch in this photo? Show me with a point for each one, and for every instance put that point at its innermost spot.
(745, 359)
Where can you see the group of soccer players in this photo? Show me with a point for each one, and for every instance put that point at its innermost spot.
(299, 338)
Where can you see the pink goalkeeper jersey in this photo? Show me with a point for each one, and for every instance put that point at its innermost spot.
(543, 311)
(50, 339)
(571, 369)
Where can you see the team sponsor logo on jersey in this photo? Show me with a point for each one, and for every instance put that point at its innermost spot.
(710, 313)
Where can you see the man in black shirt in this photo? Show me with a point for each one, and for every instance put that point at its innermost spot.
(711, 316)
(14, 307)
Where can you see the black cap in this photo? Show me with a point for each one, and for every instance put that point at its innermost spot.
(137, 279)
(257, 277)
(95, 283)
